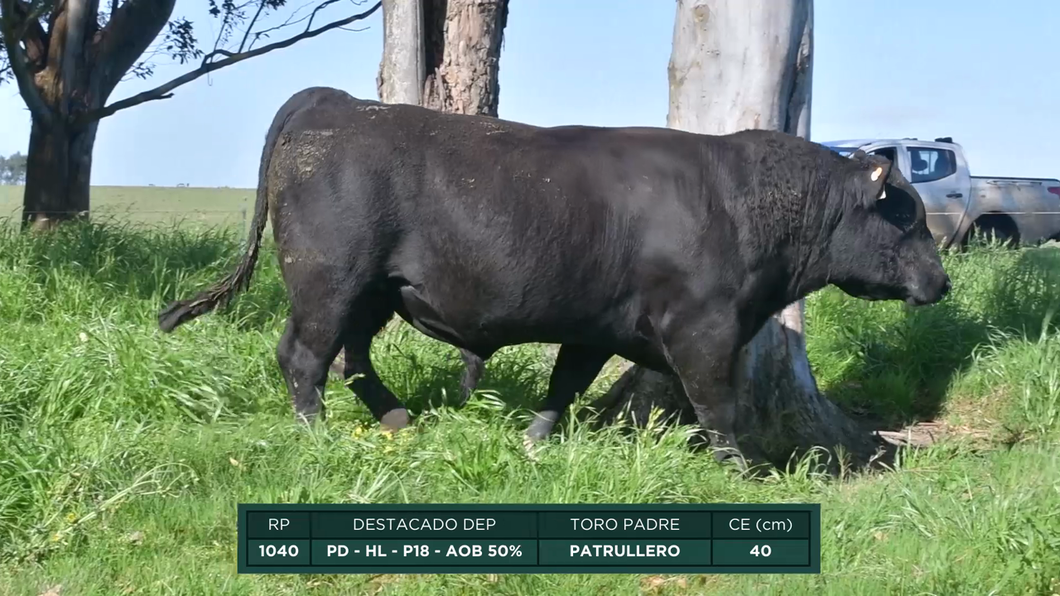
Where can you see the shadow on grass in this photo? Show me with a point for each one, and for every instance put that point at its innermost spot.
(902, 370)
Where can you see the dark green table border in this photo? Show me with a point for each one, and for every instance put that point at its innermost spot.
(814, 510)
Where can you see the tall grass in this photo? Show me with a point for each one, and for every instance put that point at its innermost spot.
(123, 451)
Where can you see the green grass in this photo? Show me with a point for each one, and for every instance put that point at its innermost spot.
(123, 451)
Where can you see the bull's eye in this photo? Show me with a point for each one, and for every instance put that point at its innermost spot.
(898, 208)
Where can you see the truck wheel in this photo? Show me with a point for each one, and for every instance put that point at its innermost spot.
(990, 227)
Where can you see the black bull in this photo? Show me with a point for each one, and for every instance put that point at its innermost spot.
(667, 248)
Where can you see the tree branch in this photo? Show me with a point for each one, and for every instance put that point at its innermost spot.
(128, 33)
(319, 8)
(223, 27)
(250, 27)
(16, 57)
(164, 91)
(291, 20)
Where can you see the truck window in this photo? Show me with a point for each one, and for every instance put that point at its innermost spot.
(928, 165)
(887, 152)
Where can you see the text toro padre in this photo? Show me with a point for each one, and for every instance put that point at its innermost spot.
(626, 523)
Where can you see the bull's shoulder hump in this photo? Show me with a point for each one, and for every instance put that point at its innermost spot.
(419, 120)
(315, 97)
(656, 138)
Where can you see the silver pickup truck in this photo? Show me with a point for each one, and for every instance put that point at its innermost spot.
(959, 205)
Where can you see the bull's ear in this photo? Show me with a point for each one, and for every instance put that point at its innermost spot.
(878, 172)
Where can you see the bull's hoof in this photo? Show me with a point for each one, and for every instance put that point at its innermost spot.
(542, 425)
(531, 447)
(731, 455)
(395, 419)
(309, 417)
(538, 431)
(748, 463)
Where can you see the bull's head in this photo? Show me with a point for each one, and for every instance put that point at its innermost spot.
(882, 249)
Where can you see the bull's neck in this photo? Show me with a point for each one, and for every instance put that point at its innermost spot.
(803, 251)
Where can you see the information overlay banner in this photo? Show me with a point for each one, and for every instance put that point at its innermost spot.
(686, 538)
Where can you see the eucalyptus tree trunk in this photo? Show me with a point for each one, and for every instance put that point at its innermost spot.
(403, 67)
(735, 65)
(58, 173)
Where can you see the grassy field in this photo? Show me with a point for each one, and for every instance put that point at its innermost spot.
(123, 452)
(155, 204)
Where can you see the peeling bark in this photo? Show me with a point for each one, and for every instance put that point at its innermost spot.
(452, 47)
(463, 76)
(739, 64)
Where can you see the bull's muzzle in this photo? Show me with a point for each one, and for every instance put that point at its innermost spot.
(930, 293)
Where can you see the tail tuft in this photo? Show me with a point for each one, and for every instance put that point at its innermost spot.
(182, 311)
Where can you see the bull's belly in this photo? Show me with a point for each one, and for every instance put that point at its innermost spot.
(477, 327)
(462, 326)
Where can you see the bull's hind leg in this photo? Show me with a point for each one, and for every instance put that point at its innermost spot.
(368, 316)
(576, 368)
(308, 345)
(321, 323)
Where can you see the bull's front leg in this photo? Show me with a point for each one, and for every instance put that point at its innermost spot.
(576, 368)
(474, 366)
(703, 352)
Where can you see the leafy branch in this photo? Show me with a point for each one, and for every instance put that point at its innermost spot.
(123, 41)
(208, 65)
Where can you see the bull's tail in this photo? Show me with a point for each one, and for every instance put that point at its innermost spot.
(182, 311)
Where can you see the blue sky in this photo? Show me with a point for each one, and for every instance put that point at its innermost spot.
(985, 73)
